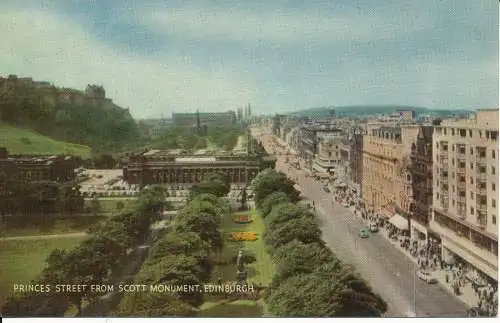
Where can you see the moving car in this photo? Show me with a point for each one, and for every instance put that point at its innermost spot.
(364, 233)
(373, 227)
(426, 277)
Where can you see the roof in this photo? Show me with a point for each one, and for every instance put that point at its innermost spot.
(195, 159)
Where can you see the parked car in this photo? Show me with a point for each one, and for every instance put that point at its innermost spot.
(426, 277)
(364, 233)
(373, 227)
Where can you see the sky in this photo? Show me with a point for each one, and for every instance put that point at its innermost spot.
(158, 57)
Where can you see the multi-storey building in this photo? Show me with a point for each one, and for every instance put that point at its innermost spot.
(356, 159)
(465, 190)
(420, 169)
(17, 171)
(386, 186)
(321, 141)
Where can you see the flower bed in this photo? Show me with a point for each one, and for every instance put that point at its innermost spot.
(242, 218)
(243, 236)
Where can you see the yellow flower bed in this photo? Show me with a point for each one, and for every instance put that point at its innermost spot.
(243, 236)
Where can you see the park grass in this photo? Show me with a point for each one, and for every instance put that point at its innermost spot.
(23, 141)
(49, 226)
(23, 260)
(109, 205)
(259, 272)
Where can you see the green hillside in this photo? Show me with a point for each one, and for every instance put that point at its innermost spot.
(20, 141)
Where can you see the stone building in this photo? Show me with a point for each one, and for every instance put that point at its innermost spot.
(420, 169)
(161, 167)
(26, 171)
(317, 145)
(465, 191)
(386, 186)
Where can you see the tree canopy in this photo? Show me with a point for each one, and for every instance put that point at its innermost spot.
(270, 181)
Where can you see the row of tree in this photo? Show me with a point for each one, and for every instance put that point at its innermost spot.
(183, 255)
(309, 281)
(99, 259)
(182, 137)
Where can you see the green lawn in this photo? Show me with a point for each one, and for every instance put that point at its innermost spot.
(49, 225)
(22, 260)
(21, 141)
(108, 205)
(259, 272)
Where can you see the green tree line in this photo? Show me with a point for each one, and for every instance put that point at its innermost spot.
(310, 281)
(98, 259)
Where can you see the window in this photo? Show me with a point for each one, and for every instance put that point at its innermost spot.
(471, 180)
(493, 154)
(452, 131)
(437, 195)
(493, 203)
(444, 131)
(493, 219)
(470, 133)
(493, 170)
(471, 195)
(471, 210)
(471, 151)
(494, 135)
(471, 165)
(453, 202)
(462, 132)
(493, 187)
(480, 134)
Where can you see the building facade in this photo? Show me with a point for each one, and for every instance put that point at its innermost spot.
(161, 168)
(386, 185)
(465, 210)
(421, 157)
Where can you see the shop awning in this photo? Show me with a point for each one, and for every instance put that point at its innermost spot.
(322, 175)
(320, 169)
(399, 222)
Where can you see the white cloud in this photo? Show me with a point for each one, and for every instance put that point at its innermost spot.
(279, 25)
(47, 46)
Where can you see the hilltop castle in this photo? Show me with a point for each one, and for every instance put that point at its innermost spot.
(93, 94)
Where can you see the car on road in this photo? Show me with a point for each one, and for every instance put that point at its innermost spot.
(326, 189)
(373, 227)
(364, 233)
(426, 277)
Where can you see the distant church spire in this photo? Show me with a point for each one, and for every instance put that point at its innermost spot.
(198, 121)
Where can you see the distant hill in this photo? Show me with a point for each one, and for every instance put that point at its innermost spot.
(365, 110)
(20, 141)
(81, 117)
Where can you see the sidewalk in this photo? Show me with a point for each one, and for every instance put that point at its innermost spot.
(467, 295)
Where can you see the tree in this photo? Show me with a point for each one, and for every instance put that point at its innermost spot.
(270, 182)
(146, 304)
(205, 224)
(303, 229)
(296, 258)
(326, 293)
(285, 212)
(95, 206)
(243, 202)
(271, 201)
(176, 270)
(217, 184)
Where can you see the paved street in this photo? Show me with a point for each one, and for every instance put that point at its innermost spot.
(387, 270)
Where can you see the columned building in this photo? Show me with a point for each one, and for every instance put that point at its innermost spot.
(161, 168)
(465, 197)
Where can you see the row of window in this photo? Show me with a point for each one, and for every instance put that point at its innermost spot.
(493, 135)
(482, 198)
(480, 151)
(461, 165)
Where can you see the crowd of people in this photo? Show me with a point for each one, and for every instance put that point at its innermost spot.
(427, 253)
